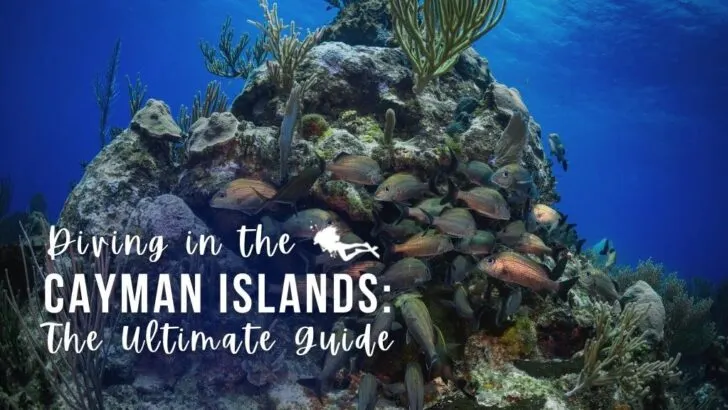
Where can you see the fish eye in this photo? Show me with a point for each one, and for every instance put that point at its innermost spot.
(386, 188)
(490, 260)
(221, 194)
(505, 174)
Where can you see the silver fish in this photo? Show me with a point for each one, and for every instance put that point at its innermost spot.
(601, 285)
(459, 269)
(477, 172)
(460, 303)
(510, 303)
(481, 243)
(558, 150)
(405, 274)
(419, 326)
(367, 399)
(332, 362)
(383, 321)
(414, 382)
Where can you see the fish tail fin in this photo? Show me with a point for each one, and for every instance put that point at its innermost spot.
(558, 270)
(270, 226)
(563, 219)
(259, 209)
(378, 225)
(388, 252)
(430, 219)
(556, 250)
(454, 162)
(461, 384)
(565, 287)
(320, 162)
(579, 245)
(526, 209)
(449, 274)
(452, 193)
(435, 365)
(308, 260)
(478, 317)
(314, 384)
(605, 249)
(500, 315)
(265, 202)
(403, 212)
(432, 183)
(259, 195)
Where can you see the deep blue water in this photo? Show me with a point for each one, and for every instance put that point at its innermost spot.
(635, 88)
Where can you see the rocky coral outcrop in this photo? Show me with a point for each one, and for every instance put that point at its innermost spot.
(354, 88)
(155, 121)
(215, 158)
(368, 80)
(362, 23)
(133, 186)
(169, 216)
(506, 100)
(128, 169)
(362, 82)
(214, 136)
(650, 303)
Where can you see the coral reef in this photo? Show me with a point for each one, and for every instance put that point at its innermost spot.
(361, 23)
(463, 116)
(215, 101)
(155, 122)
(538, 336)
(516, 342)
(610, 358)
(719, 306)
(688, 325)
(646, 300)
(22, 383)
(125, 172)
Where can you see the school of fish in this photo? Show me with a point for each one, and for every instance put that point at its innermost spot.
(474, 220)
